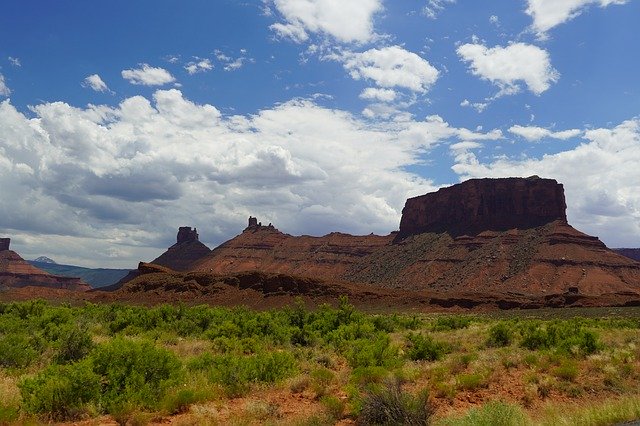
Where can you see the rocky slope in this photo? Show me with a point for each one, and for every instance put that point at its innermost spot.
(16, 272)
(265, 249)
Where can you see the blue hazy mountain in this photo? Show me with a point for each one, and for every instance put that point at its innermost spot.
(96, 278)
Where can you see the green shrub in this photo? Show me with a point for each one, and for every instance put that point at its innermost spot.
(61, 391)
(471, 381)
(567, 370)
(451, 323)
(392, 406)
(135, 373)
(566, 336)
(16, 350)
(236, 372)
(73, 344)
(500, 335)
(421, 347)
(321, 379)
(495, 413)
(334, 406)
(372, 352)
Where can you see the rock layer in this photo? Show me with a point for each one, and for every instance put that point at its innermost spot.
(485, 204)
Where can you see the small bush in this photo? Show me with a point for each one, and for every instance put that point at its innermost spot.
(376, 352)
(500, 335)
(451, 323)
(61, 391)
(423, 347)
(135, 373)
(471, 381)
(494, 413)
(16, 351)
(566, 371)
(74, 344)
(334, 406)
(321, 379)
(392, 406)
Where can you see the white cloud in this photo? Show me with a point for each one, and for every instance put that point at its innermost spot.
(600, 177)
(478, 106)
(534, 133)
(231, 64)
(547, 14)
(199, 65)
(507, 66)
(121, 179)
(346, 21)
(391, 67)
(148, 76)
(14, 61)
(95, 83)
(376, 94)
(4, 90)
(494, 20)
(434, 7)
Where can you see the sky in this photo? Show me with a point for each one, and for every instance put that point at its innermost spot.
(121, 121)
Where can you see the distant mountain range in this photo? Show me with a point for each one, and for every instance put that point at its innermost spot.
(45, 259)
(100, 277)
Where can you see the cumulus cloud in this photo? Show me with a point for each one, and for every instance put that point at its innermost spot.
(434, 7)
(148, 76)
(199, 65)
(347, 21)
(376, 94)
(94, 82)
(4, 90)
(121, 179)
(389, 67)
(547, 14)
(534, 133)
(600, 178)
(508, 67)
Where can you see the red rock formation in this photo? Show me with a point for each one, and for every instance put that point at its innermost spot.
(265, 249)
(184, 252)
(485, 204)
(498, 236)
(16, 272)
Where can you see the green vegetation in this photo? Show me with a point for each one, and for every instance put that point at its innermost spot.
(62, 363)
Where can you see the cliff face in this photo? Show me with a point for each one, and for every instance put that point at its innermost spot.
(16, 272)
(485, 204)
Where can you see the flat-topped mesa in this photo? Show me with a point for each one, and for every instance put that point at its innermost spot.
(186, 234)
(485, 204)
(5, 243)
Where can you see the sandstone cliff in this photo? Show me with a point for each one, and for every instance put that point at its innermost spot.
(485, 205)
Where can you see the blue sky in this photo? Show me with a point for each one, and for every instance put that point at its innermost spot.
(120, 121)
